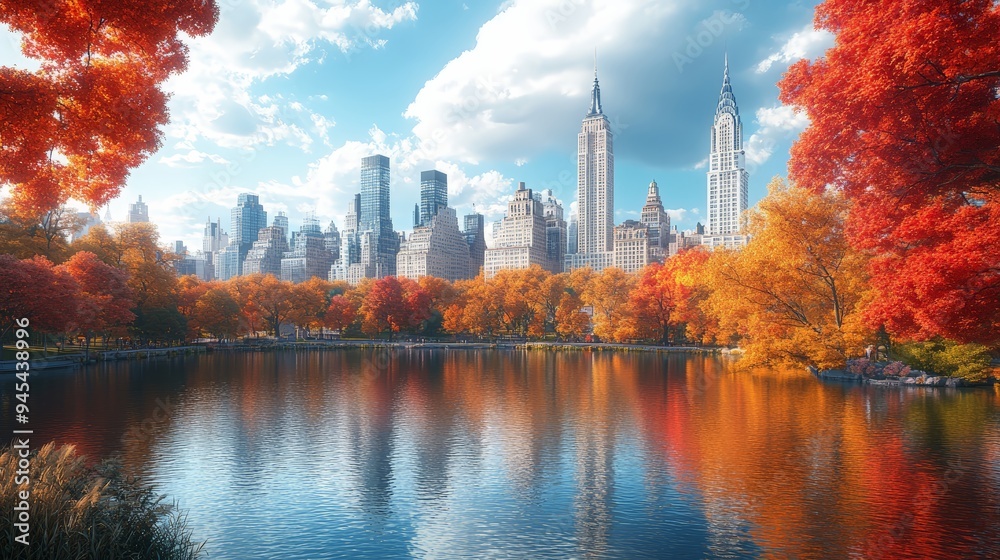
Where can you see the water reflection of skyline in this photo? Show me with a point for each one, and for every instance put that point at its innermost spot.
(572, 454)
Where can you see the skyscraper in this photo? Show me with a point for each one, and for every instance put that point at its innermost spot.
(475, 238)
(248, 217)
(656, 219)
(521, 241)
(436, 248)
(595, 188)
(555, 230)
(309, 256)
(138, 212)
(433, 194)
(265, 255)
(375, 218)
(728, 180)
(281, 221)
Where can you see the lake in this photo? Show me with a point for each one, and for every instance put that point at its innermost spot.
(511, 454)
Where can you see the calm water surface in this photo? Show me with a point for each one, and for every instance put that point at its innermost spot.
(475, 454)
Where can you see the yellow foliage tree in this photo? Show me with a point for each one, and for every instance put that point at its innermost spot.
(795, 292)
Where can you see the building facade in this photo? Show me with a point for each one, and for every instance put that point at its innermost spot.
(656, 219)
(138, 212)
(433, 194)
(520, 242)
(266, 253)
(728, 180)
(475, 238)
(309, 256)
(595, 189)
(555, 231)
(374, 217)
(248, 217)
(633, 250)
(437, 248)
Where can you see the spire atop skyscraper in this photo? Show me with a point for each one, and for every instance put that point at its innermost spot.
(727, 101)
(595, 95)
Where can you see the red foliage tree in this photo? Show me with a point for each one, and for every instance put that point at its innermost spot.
(340, 313)
(76, 126)
(34, 289)
(904, 112)
(385, 308)
(104, 298)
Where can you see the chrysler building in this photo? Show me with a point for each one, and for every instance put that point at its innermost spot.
(728, 181)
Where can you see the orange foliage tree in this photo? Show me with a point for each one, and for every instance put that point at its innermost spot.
(216, 313)
(608, 293)
(796, 291)
(903, 112)
(666, 297)
(93, 110)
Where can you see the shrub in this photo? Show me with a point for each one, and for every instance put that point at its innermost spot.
(896, 369)
(944, 357)
(91, 512)
(862, 366)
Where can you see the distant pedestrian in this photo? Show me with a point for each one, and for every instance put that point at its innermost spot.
(869, 350)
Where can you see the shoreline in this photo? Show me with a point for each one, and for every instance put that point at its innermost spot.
(909, 381)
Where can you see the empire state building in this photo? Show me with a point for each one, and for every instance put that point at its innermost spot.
(595, 189)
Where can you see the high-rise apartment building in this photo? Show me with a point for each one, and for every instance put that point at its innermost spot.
(437, 248)
(138, 212)
(728, 180)
(595, 189)
(213, 240)
(521, 241)
(309, 256)
(248, 217)
(475, 238)
(656, 219)
(433, 194)
(266, 254)
(375, 218)
(555, 231)
(281, 221)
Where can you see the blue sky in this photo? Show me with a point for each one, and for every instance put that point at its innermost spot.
(286, 96)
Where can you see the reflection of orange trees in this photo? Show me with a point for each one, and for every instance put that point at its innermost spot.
(759, 457)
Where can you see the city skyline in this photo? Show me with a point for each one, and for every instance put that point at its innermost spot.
(288, 123)
(533, 230)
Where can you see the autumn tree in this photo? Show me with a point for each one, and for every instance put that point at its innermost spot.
(340, 314)
(795, 292)
(94, 108)
(385, 308)
(666, 297)
(243, 289)
(273, 297)
(608, 293)
(903, 120)
(47, 236)
(34, 289)
(216, 313)
(104, 299)
(310, 300)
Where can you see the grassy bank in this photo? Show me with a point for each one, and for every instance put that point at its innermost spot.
(80, 511)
